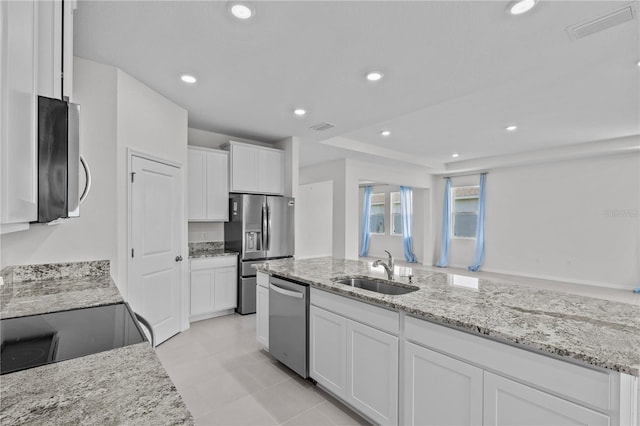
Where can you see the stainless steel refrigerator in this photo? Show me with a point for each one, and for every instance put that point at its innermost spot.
(260, 228)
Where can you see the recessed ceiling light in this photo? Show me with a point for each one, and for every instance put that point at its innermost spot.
(455, 155)
(385, 133)
(300, 112)
(374, 76)
(241, 11)
(188, 78)
(638, 63)
(511, 128)
(521, 6)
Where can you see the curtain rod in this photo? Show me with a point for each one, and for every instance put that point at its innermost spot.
(467, 174)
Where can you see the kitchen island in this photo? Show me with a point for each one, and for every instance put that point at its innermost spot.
(127, 385)
(582, 352)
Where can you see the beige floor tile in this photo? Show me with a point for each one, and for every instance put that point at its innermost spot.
(339, 414)
(288, 399)
(244, 411)
(226, 378)
(311, 417)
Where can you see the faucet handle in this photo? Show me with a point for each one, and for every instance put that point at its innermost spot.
(390, 259)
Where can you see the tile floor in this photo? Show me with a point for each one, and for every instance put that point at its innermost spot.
(225, 378)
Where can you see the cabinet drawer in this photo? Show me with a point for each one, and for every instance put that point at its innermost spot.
(213, 262)
(377, 317)
(582, 384)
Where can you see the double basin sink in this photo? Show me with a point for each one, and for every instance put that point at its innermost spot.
(376, 285)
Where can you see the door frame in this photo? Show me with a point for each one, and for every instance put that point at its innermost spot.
(184, 277)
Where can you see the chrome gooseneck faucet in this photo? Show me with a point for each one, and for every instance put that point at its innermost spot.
(387, 267)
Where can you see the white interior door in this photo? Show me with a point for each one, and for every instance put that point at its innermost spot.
(155, 228)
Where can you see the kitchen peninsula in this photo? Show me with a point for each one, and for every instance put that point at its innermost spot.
(523, 351)
(127, 385)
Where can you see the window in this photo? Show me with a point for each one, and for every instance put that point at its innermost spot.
(396, 217)
(376, 218)
(465, 211)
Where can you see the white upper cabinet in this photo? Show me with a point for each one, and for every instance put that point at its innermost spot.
(270, 171)
(208, 185)
(18, 86)
(36, 45)
(256, 169)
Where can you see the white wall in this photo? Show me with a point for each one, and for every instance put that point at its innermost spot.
(151, 124)
(576, 220)
(92, 236)
(314, 220)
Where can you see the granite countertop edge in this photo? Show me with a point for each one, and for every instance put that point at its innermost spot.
(201, 254)
(422, 311)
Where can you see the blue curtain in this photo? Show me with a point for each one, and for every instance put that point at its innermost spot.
(478, 255)
(443, 262)
(365, 233)
(406, 213)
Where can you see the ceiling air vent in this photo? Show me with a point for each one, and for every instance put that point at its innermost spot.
(321, 127)
(601, 23)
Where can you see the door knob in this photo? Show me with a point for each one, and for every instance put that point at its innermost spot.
(178, 258)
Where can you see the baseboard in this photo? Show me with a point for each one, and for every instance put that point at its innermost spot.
(209, 315)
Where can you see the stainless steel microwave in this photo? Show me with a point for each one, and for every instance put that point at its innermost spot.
(58, 159)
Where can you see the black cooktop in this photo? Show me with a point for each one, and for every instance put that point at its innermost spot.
(35, 340)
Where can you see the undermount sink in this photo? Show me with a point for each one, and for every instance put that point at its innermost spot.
(378, 286)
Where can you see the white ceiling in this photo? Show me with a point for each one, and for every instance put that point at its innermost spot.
(456, 72)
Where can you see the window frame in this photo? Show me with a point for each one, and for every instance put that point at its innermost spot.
(391, 222)
(452, 216)
(384, 213)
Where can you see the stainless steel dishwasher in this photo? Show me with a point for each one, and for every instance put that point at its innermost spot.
(288, 319)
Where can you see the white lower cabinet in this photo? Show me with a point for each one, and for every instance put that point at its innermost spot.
(356, 362)
(213, 287)
(372, 363)
(507, 402)
(440, 390)
(328, 350)
(262, 309)
(451, 377)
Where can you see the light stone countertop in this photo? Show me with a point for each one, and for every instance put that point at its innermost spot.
(122, 386)
(598, 332)
(204, 249)
(39, 289)
(126, 385)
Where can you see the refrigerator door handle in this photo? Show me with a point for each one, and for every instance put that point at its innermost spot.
(268, 227)
(265, 231)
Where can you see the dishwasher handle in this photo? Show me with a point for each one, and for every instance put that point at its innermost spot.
(285, 292)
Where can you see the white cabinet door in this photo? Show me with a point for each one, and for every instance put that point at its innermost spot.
(440, 390)
(217, 186)
(69, 6)
(510, 403)
(372, 368)
(225, 294)
(270, 171)
(262, 315)
(197, 194)
(244, 168)
(202, 282)
(18, 87)
(208, 185)
(50, 48)
(328, 350)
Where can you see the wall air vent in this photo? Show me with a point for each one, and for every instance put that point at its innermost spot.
(321, 127)
(601, 23)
